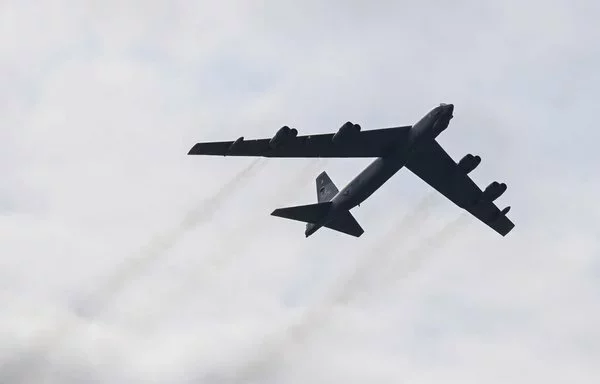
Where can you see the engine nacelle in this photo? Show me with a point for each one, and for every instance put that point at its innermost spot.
(494, 191)
(502, 213)
(468, 163)
(346, 131)
(283, 135)
(235, 144)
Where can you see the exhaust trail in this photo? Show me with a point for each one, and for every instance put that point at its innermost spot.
(161, 244)
(245, 231)
(427, 248)
(398, 269)
(298, 334)
(31, 362)
(265, 355)
(371, 264)
(374, 258)
(227, 251)
(198, 215)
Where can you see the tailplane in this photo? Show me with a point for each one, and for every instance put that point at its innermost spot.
(345, 223)
(311, 213)
(315, 215)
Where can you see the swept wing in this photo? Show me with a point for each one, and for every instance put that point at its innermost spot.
(350, 142)
(434, 166)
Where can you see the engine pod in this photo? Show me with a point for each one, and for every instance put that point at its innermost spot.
(494, 191)
(345, 132)
(280, 136)
(468, 163)
(235, 145)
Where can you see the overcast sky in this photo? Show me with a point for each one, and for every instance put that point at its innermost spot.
(123, 260)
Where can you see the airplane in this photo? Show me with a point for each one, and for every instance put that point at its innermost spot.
(413, 146)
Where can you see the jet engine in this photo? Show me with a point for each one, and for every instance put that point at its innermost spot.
(235, 144)
(283, 135)
(468, 163)
(345, 131)
(494, 191)
(502, 213)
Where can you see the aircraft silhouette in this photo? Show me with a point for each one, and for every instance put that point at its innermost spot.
(412, 146)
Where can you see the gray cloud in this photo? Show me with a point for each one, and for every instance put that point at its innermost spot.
(101, 103)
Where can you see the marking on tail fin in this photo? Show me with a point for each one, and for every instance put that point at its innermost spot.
(326, 189)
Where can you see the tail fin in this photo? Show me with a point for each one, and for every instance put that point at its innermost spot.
(311, 213)
(326, 189)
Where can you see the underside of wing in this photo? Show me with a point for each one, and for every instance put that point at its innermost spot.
(349, 141)
(433, 165)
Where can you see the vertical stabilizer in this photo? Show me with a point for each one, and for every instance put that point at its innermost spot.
(326, 190)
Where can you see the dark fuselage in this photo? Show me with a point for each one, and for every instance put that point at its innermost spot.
(383, 168)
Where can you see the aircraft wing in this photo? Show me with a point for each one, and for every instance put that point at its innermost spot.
(372, 143)
(433, 165)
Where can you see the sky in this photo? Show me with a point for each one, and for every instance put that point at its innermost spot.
(126, 261)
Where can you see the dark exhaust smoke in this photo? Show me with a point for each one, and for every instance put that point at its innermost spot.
(25, 367)
(266, 356)
(228, 251)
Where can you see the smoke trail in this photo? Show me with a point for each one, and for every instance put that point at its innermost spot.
(298, 334)
(401, 268)
(383, 250)
(371, 263)
(345, 288)
(227, 251)
(246, 230)
(157, 247)
(161, 244)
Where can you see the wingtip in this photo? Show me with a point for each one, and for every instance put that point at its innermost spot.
(275, 212)
(511, 228)
(192, 150)
(508, 229)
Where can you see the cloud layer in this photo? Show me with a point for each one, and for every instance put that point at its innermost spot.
(110, 275)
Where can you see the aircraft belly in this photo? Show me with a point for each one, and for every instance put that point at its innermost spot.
(369, 181)
(372, 186)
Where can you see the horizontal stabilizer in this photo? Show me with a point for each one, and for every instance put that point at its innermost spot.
(346, 223)
(311, 213)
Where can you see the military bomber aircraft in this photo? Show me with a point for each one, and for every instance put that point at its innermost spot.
(413, 146)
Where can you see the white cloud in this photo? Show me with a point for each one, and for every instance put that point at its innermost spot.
(102, 102)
